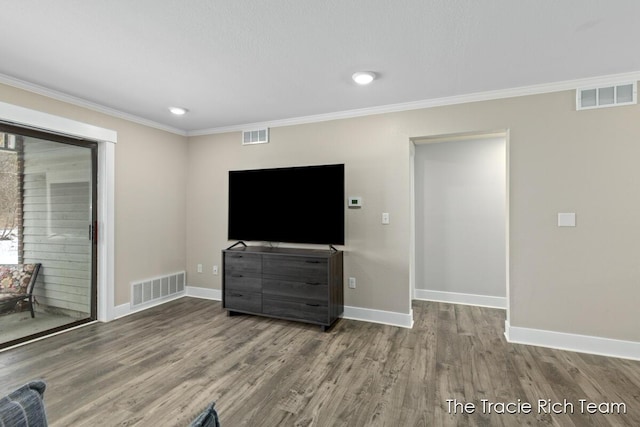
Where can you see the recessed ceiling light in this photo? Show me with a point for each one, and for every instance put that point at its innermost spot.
(363, 77)
(178, 111)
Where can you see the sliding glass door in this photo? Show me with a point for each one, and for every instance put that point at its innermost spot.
(47, 230)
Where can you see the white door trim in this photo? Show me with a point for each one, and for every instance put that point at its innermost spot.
(106, 139)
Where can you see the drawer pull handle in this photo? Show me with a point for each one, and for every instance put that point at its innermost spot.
(236, 275)
(236, 295)
(237, 256)
(313, 305)
(313, 283)
(312, 262)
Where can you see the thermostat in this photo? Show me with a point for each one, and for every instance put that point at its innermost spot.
(355, 202)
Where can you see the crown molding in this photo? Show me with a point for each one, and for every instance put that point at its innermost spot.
(54, 94)
(361, 112)
(430, 103)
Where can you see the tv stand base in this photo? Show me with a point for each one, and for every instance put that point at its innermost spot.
(304, 285)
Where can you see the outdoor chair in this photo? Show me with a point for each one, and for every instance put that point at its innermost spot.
(16, 286)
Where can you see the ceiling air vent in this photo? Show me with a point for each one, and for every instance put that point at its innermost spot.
(606, 96)
(257, 136)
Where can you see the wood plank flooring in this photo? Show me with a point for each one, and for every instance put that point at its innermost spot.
(162, 366)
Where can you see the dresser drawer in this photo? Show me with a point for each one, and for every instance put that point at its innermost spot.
(240, 262)
(310, 311)
(245, 301)
(300, 290)
(242, 282)
(301, 268)
(297, 284)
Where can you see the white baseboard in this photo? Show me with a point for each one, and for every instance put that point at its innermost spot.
(354, 313)
(392, 318)
(204, 293)
(121, 311)
(459, 298)
(125, 309)
(573, 342)
(190, 291)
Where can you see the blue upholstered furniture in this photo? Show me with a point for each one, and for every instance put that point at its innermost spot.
(24, 407)
(208, 418)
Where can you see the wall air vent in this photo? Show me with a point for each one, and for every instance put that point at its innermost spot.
(606, 96)
(256, 136)
(147, 292)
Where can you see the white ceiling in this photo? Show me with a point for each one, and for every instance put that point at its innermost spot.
(234, 62)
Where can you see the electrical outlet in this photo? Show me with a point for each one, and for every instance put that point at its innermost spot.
(385, 218)
(199, 268)
(352, 282)
(215, 269)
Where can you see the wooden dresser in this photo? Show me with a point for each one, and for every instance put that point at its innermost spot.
(305, 285)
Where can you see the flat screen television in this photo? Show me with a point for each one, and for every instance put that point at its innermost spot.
(295, 205)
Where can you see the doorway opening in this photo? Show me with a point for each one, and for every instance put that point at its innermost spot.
(460, 219)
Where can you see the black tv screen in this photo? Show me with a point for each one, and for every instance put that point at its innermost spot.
(295, 205)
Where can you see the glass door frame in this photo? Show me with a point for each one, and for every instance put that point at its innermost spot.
(93, 231)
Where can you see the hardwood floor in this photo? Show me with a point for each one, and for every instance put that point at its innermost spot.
(164, 365)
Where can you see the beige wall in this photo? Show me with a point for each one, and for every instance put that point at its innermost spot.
(376, 162)
(150, 184)
(581, 280)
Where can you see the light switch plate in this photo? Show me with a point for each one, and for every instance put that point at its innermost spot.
(566, 219)
(385, 218)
